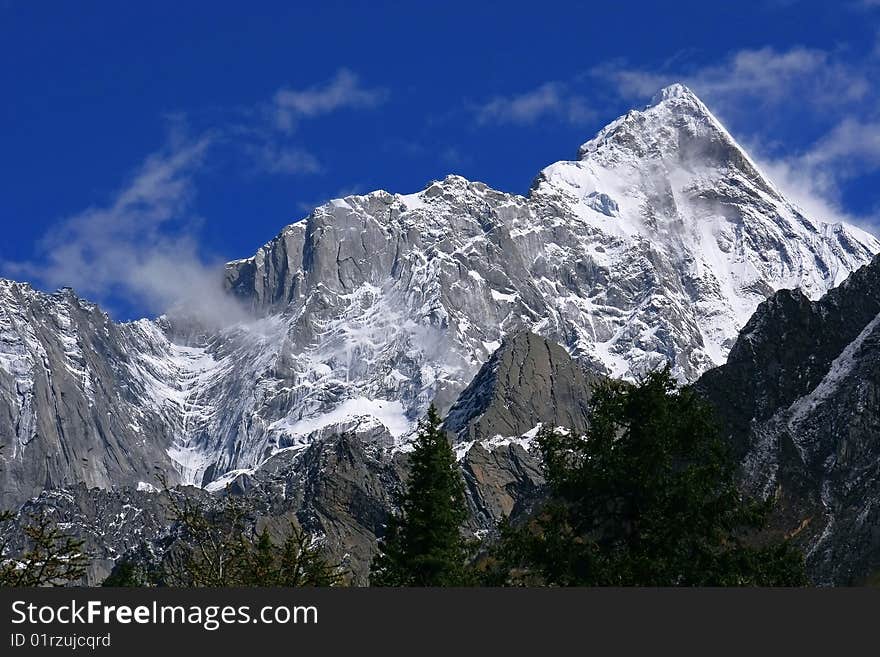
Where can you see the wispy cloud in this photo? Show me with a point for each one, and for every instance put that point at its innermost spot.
(552, 99)
(344, 90)
(815, 194)
(141, 244)
(813, 178)
(269, 133)
(852, 146)
(762, 77)
(279, 158)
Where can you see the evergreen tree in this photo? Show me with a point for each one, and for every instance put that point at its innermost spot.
(424, 545)
(130, 573)
(647, 497)
(262, 559)
(290, 563)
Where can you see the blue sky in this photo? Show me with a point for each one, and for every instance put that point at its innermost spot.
(142, 143)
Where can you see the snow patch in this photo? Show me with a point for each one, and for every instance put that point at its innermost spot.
(222, 482)
(506, 298)
(390, 413)
(491, 347)
(837, 373)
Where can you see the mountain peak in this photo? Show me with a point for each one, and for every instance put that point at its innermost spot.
(674, 117)
(674, 91)
(677, 101)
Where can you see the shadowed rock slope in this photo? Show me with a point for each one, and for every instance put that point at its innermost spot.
(800, 402)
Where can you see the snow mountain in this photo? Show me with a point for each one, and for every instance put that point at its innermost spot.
(655, 245)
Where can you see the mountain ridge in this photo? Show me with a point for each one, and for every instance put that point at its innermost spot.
(654, 247)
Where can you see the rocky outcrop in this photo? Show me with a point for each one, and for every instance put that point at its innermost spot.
(336, 491)
(111, 523)
(529, 381)
(503, 481)
(799, 400)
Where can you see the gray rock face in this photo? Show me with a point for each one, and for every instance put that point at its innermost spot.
(111, 523)
(502, 481)
(71, 403)
(529, 381)
(800, 400)
(335, 490)
(338, 490)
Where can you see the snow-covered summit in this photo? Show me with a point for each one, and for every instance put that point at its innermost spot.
(654, 246)
(675, 124)
(671, 185)
(674, 90)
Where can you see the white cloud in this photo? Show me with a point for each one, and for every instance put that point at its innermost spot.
(852, 145)
(551, 99)
(813, 194)
(269, 136)
(141, 244)
(813, 179)
(343, 91)
(276, 158)
(753, 77)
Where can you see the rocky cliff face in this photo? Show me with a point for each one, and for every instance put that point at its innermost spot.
(341, 488)
(75, 403)
(527, 383)
(654, 245)
(800, 401)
